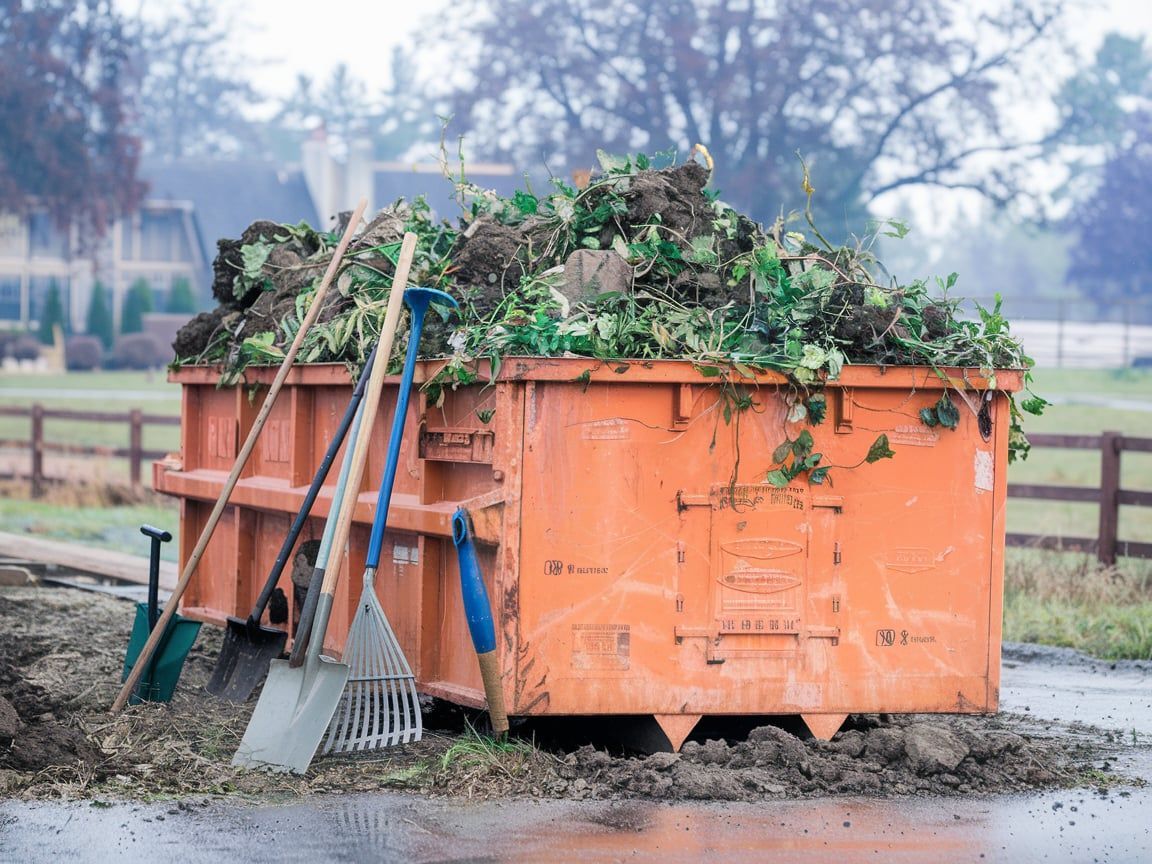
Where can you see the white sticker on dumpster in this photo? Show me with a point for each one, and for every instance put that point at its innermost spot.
(985, 472)
(601, 646)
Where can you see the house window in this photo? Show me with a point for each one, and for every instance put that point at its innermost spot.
(162, 236)
(9, 297)
(46, 240)
(12, 233)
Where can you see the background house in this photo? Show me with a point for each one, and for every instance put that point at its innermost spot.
(189, 206)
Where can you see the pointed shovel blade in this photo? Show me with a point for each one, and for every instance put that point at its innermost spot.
(292, 715)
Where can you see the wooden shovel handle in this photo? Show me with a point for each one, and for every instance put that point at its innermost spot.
(241, 460)
(371, 408)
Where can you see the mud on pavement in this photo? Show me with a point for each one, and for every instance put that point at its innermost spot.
(60, 669)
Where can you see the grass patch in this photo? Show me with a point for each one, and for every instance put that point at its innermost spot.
(1082, 467)
(113, 527)
(1069, 600)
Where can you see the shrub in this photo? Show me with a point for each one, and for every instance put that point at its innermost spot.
(138, 351)
(99, 321)
(52, 315)
(83, 353)
(26, 348)
(138, 301)
(181, 299)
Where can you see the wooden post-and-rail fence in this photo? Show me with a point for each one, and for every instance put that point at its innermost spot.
(37, 446)
(1110, 496)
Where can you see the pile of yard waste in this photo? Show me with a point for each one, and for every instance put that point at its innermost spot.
(643, 262)
(60, 669)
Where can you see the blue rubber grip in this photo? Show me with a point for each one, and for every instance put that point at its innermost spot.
(476, 606)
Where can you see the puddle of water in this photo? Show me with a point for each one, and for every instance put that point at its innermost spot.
(1059, 826)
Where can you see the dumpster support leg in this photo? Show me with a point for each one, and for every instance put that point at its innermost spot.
(824, 726)
(677, 727)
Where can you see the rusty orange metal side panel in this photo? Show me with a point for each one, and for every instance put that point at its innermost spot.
(637, 560)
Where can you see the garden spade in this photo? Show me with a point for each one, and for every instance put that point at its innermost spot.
(248, 646)
(297, 703)
(162, 669)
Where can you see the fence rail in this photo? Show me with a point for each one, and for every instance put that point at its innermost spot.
(1109, 496)
(135, 453)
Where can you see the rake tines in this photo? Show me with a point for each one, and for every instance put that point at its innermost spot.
(379, 706)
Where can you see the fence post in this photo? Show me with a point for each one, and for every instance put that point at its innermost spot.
(37, 450)
(136, 444)
(1109, 498)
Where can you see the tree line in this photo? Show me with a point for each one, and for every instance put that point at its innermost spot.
(875, 97)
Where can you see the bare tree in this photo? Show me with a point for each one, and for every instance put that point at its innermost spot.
(876, 94)
(64, 145)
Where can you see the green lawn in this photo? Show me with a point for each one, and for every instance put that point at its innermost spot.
(106, 392)
(115, 528)
(1082, 467)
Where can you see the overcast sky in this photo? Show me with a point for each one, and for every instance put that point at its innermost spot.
(313, 38)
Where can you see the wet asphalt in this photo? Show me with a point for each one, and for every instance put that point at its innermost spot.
(1052, 688)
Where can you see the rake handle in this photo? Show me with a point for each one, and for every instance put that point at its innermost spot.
(241, 460)
(359, 456)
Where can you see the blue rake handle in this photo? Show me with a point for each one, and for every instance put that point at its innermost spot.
(418, 300)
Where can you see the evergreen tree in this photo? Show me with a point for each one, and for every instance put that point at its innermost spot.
(52, 315)
(136, 304)
(180, 297)
(99, 322)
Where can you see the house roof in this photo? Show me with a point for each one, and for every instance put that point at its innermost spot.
(228, 196)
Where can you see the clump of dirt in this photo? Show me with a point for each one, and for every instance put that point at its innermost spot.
(60, 666)
(899, 755)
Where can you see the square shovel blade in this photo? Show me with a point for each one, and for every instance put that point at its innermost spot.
(292, 715)
(244, 658)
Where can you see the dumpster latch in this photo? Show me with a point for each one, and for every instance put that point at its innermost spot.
(457, 445)
(832, 633)
(711, 637)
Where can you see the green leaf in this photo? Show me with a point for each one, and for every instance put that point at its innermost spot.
(779, 478)
(802, 446)
(928, 417)
(817, 409)
(525, 202)
(947, 413)
(1035, 405)
(879, 450)
(818, 475)
(254, 256)
(782, 452)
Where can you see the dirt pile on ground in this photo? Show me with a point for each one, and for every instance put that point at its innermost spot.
(871, 756)
(60, 669)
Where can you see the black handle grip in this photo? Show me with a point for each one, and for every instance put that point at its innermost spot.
(156, 533)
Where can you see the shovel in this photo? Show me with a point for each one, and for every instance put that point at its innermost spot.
(158, 682)
(248, 646)
(297, 702)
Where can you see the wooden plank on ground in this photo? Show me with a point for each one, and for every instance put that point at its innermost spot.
(101, 562)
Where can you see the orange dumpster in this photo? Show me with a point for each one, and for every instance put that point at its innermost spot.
(637, 560)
